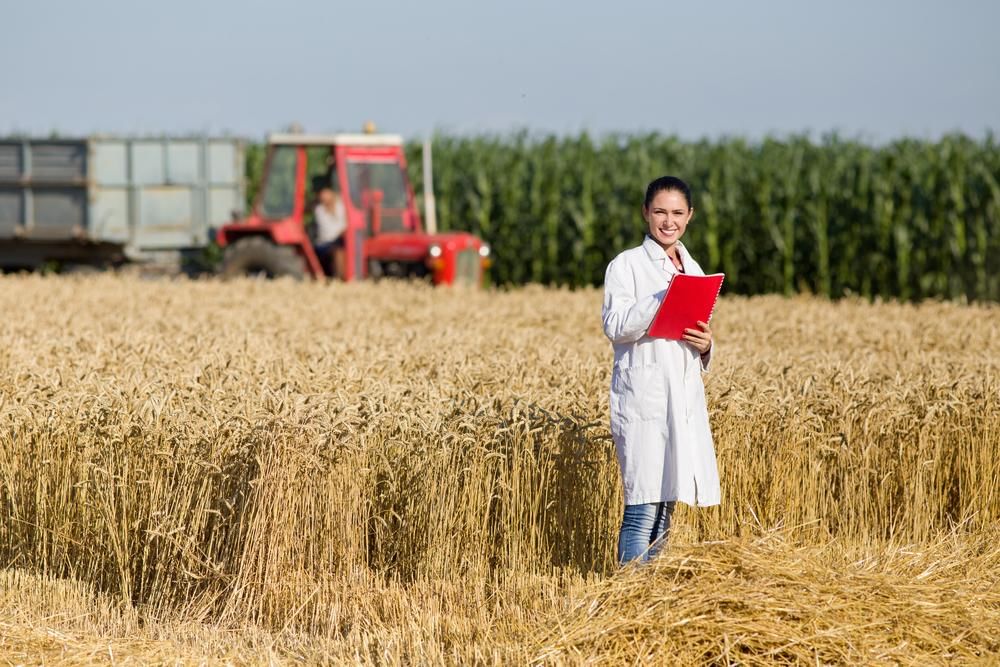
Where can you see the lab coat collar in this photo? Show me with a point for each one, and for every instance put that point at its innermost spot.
(658, 254)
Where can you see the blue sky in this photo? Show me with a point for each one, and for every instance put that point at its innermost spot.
(871, 70)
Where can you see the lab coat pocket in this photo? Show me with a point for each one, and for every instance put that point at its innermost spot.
(640, 392)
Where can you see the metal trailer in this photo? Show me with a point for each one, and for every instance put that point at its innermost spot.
(101, 201)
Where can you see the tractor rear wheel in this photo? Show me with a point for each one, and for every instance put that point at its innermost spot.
(257, 256)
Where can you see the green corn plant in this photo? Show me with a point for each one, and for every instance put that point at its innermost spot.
(910, 219)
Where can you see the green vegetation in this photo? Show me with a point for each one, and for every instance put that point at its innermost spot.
(910, 219)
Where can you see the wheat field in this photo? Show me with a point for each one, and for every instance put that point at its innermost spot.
(198, 472)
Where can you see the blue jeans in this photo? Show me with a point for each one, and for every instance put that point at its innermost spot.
(644, 531)
(324, 253)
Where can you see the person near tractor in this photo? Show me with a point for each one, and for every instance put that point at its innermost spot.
(331, 223)
(659, 416)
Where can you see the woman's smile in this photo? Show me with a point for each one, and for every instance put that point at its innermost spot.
(667, 235)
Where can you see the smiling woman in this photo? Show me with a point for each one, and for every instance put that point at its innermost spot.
(659, 418)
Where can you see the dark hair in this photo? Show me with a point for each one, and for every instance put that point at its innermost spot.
(670, 183)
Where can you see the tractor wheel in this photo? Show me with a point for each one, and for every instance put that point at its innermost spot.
(257, 256)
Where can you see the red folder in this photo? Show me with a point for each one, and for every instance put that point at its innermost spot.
(688, 300)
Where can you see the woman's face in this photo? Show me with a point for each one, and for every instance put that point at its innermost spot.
(667, 217)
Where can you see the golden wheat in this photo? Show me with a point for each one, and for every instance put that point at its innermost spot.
(389, 473)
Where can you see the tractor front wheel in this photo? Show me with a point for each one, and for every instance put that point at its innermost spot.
(257, 256)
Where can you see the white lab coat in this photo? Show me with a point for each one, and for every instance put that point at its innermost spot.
(659, 418)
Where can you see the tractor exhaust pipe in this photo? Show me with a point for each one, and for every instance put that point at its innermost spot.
(430, 208)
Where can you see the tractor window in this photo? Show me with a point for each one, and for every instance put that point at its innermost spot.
(384, 176)
(278, 199)
(320, 169)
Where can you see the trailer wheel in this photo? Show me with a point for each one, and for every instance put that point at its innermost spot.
(257, 256)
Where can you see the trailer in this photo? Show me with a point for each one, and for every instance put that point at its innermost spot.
(103, 201)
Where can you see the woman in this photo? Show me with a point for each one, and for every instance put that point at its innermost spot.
(659, 418)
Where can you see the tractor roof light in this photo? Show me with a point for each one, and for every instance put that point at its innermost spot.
(434, 251)
(484, 250)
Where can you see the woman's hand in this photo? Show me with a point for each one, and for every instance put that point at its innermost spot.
(700, 340)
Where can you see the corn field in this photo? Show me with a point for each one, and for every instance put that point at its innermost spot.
(271, 472)
(911, 219)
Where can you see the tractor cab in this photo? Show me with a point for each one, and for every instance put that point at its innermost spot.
(383, 231)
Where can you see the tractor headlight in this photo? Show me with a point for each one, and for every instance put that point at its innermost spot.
(484, 251)
(434, 251)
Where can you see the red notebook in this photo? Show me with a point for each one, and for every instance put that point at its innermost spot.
(688, 299)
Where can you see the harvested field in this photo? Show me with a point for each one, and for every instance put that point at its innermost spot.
(266, 472)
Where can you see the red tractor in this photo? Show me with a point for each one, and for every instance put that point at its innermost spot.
(384, 233)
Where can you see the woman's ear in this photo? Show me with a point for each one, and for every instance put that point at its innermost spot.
(691, 214)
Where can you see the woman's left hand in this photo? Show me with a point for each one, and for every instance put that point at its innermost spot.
(700, 340)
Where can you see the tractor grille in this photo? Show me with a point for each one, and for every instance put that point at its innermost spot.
(467, 267)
